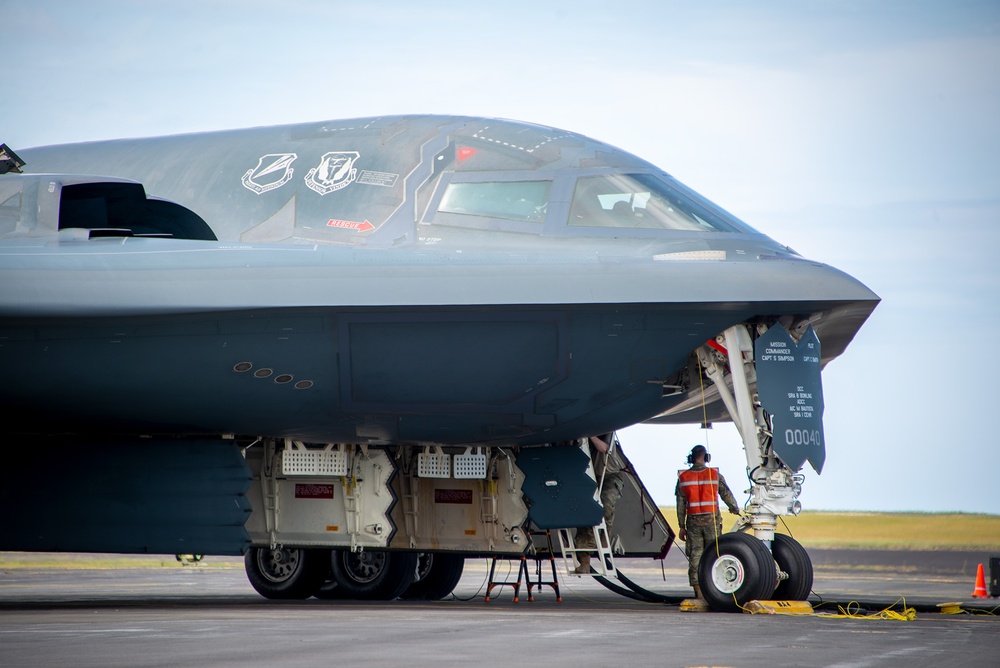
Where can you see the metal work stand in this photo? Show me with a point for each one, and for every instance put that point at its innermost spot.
(539, 582)
(524, 575)
(522, 572)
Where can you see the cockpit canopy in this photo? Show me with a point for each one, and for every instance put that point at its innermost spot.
(380, 182)
(645, 201)
(586, 205)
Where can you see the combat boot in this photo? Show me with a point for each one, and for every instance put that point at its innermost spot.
(584, 566)
(697, 592)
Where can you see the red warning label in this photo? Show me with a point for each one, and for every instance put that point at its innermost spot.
(309, 491)
(453, 496)
(351, 224)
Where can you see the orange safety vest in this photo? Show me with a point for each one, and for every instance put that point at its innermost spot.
(701, 490)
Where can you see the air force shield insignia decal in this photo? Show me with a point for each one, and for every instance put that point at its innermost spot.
(272, 171)
(335, 171)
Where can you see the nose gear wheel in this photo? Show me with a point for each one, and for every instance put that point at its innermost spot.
(728, 574)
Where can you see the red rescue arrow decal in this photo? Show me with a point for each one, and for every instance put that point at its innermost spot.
(351, 225)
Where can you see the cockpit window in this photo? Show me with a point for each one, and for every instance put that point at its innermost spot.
(645, 201)
(509, 200)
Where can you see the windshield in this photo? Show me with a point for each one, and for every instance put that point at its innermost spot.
(646, 201)
(510, 200)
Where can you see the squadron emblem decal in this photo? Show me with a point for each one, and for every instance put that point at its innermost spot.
(272, 171)
(335, 171)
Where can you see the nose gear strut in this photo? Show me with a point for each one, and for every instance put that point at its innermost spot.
(775, 487)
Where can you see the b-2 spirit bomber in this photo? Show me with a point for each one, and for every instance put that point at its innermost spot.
(360, 351)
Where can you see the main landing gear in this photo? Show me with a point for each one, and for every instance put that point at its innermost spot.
(437, 576)
(371, 575)
(765, 565)
(286, 573)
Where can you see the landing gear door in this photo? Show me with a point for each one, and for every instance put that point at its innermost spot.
(791, 391)
(639, 525)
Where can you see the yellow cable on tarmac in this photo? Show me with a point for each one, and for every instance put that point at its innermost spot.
(854, 611)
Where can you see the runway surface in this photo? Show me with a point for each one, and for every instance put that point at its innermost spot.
(148, 611)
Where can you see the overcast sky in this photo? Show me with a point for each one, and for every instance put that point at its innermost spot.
(863, 134)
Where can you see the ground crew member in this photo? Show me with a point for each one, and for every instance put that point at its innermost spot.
(698, 516)
(608, 473)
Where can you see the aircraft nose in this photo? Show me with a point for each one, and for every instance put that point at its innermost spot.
(825, 282)
(717, 276)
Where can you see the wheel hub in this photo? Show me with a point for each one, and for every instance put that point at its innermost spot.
(279, 564)
(365, 566)
(728, 574)
(424, 563)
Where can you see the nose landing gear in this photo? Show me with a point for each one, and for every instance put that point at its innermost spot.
(738, 570)
(765, 565)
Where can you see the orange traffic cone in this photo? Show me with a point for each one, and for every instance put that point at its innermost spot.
(980, 591)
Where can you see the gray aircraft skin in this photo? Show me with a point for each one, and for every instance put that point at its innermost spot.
(368, 288)
(411, 279)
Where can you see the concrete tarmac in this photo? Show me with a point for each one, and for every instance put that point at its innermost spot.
(151, 615)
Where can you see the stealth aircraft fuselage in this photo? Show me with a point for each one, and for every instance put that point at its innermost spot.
(413, 279)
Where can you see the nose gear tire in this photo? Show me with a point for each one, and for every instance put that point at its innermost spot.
(740, 570)
(792, 558)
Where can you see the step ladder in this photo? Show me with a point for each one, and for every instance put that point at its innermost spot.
(524, 574)
(605, 562)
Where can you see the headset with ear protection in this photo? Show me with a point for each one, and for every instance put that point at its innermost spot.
(697, 448)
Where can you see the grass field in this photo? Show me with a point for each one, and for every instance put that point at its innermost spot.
(892, 531)
(45, 560)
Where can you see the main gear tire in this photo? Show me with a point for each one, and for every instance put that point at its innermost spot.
(285, 573)
(373, 575)
(793, 559)
(437, 576)
(329, 591)
(735, 570)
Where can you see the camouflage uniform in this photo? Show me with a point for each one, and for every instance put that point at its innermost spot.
(614, 483)
(702, 529)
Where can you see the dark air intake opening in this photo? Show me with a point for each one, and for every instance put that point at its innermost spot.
(123, 206)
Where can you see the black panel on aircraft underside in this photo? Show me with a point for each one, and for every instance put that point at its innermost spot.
(326, 375)
(131, 496)
(558, 488)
